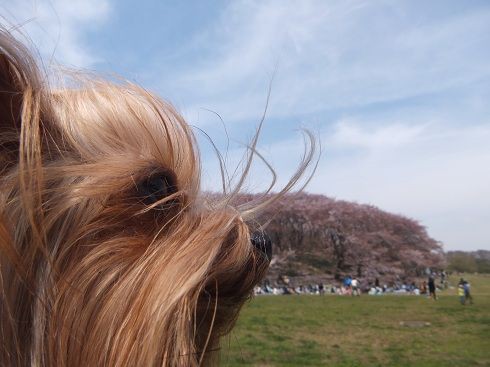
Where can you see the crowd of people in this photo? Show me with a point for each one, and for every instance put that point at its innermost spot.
(352, 286)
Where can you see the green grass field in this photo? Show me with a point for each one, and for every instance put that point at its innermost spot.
(363, 331)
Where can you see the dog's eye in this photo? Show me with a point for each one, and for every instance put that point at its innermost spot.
(156, 186)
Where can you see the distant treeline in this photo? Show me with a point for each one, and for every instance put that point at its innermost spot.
(469, 262)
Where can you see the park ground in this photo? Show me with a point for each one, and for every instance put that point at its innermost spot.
(391, 330)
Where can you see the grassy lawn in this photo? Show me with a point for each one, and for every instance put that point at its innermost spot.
(363, 331)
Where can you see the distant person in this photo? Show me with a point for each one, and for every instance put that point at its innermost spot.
(467, 293)
(432, 288)
(355, 287)
(348, 285)
(412, 288)
(376, 283)
(321, 289)
(461, 292)
(444, 279)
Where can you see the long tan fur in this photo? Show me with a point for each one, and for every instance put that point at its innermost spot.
(89, 274)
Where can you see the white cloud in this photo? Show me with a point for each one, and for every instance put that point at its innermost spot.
(426, 157)
(329, 55)
(432, 172)
(58, 27)
(351, 135)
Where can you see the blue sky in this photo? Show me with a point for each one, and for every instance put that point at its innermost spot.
(398, 92)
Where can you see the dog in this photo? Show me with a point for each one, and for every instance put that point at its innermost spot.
(110, 254)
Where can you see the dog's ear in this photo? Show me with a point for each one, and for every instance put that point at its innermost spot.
(18, 78)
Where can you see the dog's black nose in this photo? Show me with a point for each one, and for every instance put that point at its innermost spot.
(262, 242)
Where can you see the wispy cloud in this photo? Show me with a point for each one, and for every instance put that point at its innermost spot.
(432, 170)
(58, 28)
(398, 95)
(329, 55)
(349, 134)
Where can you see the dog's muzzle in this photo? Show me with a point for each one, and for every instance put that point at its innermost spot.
(262, 242)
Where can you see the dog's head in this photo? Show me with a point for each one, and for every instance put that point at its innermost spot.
(110, 254)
